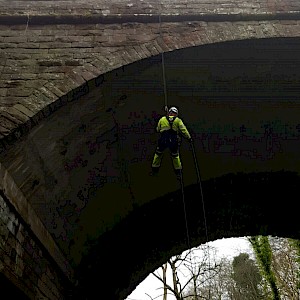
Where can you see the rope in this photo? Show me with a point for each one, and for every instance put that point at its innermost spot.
(166, 106)
(194, 157)
(203, 206)
(28, 17)
(184, 210)
(201, 191)
(166, 109)
(193, 150)
(163, 61)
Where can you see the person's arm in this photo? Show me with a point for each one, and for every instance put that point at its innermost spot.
(184, 130)
(158, 126)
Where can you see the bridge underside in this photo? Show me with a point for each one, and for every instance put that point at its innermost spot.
(116, 224)
(235, 205)
(8, 288)
(210, 78)
(242, 75)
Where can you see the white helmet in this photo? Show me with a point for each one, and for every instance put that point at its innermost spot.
(173, 110)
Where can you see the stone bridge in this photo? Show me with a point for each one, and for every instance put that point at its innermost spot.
(81, 90)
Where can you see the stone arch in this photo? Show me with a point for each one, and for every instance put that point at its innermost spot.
(139, 41)
(264, 191)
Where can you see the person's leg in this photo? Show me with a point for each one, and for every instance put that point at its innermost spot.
(175, 157)
(158, 155)
(157, 159)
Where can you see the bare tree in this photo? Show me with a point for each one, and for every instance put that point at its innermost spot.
(235, 279)
(175, 287)
(286, 267)
(196, 271)
(164, 277)
(217, 285)
(275, 274)
(203, 271)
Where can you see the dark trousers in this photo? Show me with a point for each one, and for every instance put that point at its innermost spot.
(168, 139)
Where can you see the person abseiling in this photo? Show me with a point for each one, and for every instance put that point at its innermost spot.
(169, 127)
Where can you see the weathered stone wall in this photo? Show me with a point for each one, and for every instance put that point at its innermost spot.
(123, 8)
(24, 260)
(29, 256)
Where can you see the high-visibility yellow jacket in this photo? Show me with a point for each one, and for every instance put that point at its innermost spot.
(177, 126)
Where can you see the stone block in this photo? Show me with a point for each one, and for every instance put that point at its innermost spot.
(23, 110)
(11, 227)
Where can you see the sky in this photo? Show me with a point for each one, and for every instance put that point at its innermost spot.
(151, 287)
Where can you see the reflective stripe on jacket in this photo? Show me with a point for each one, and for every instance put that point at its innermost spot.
(178, 126)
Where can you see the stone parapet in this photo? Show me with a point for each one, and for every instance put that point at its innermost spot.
(140, 7)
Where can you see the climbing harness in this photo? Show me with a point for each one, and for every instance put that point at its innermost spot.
(171, 121)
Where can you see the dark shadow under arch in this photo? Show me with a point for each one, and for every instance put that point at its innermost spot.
(11, 291)
(236, 205)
